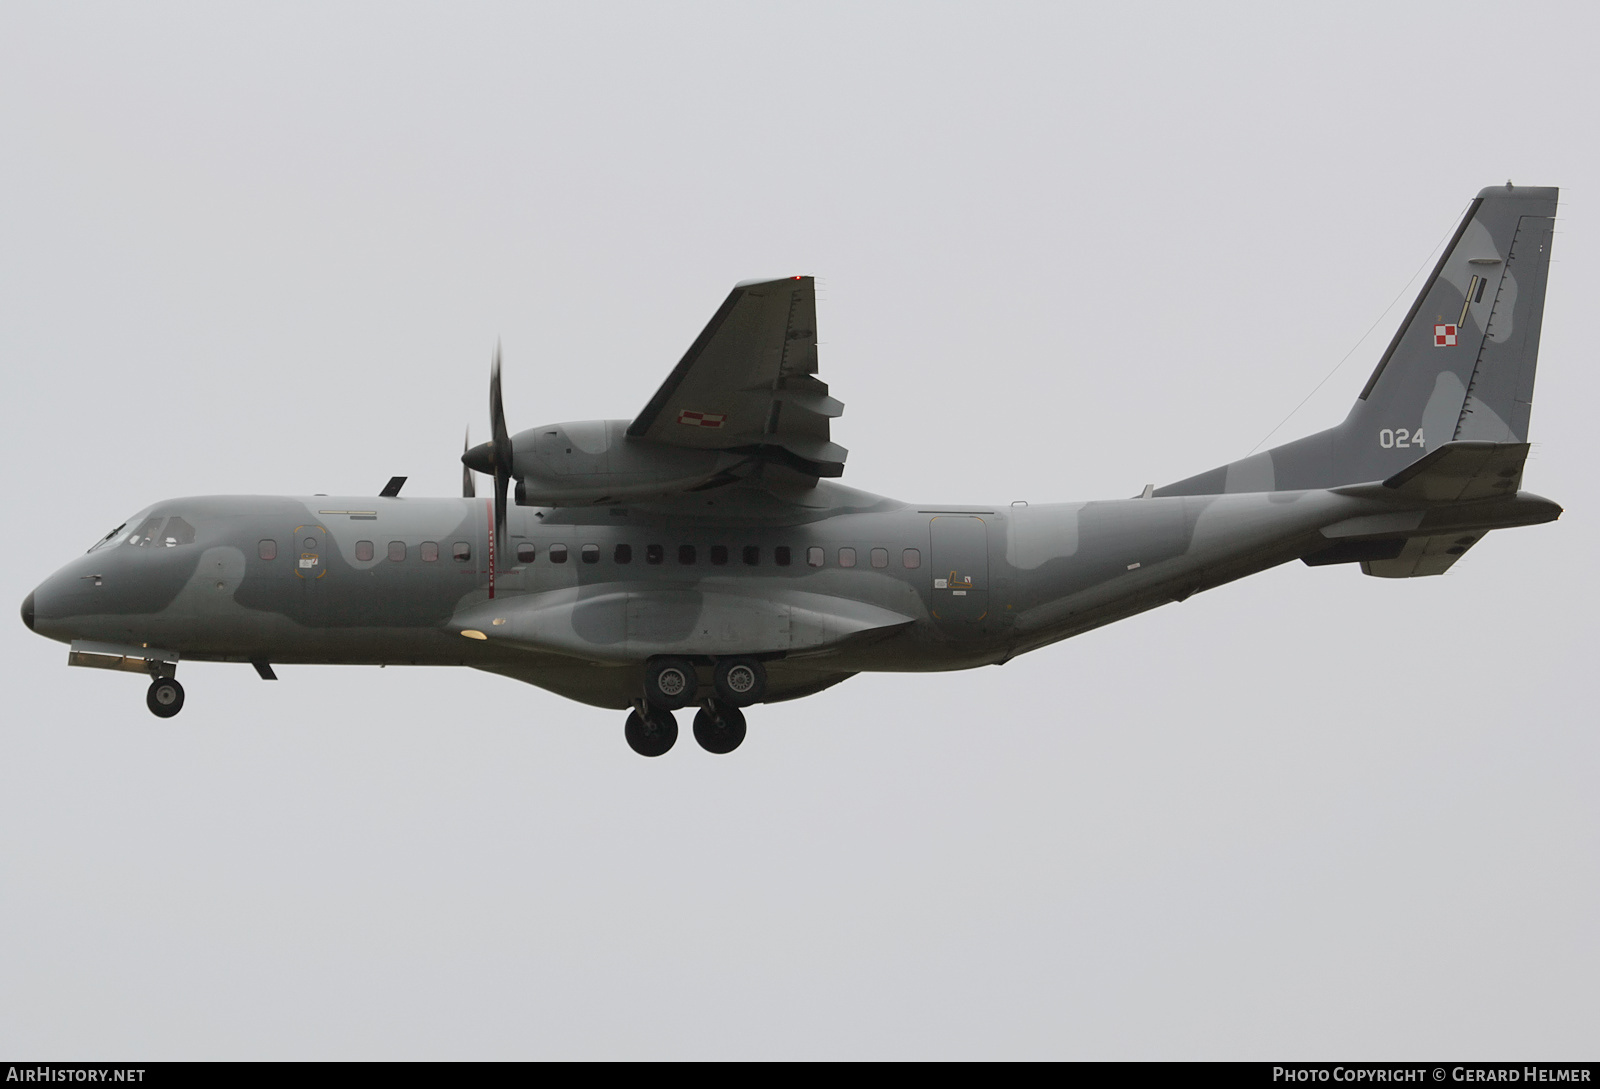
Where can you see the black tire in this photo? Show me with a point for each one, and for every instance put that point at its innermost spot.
(741, 682)
(720, 730)
(651, 736)
(670, 683)
(165, 697)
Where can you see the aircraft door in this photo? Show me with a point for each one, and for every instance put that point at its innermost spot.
(960, 569)
(307, 546)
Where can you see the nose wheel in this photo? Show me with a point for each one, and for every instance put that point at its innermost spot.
(165, 697)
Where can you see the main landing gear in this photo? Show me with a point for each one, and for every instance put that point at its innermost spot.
(650, 732)
(673, 683)
(718, 727)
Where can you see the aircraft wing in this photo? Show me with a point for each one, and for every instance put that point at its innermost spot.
(748, 383)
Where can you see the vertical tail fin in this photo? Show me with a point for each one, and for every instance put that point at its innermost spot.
(1461, 365)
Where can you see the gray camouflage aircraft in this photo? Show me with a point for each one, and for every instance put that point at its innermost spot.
(703, 555)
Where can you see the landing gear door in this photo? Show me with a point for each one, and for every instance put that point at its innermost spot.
(960, 569)
(307, 547)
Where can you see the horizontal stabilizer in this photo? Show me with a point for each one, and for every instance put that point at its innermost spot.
(1458, 472)
(1422, 556)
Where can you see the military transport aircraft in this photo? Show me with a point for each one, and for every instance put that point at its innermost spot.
(702, 554)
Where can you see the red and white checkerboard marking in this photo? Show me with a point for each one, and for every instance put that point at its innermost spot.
(1444, 336)
(704, 419)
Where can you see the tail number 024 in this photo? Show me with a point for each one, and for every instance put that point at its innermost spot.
(1401, 438)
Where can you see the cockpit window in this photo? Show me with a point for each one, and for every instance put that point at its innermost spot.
(177, 532)
(151, 532)
(101, 543)
(146, 533)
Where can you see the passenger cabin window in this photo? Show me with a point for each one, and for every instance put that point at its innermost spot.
(880, 557)
(654, 553)
(557, 553)
(623, 554)
(686, 554)
(780, 555)
(911, 558)
(364, 551)
(719, 554)
(397, 551)
(525, 552)
(814, 556)
(267, 549)
(589, 553)
(461, 552)
(847, 557)
(430, 551)
(752, 555)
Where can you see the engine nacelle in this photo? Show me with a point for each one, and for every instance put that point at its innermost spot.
(594, 461)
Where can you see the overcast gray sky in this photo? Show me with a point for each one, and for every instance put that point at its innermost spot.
(1063, 251)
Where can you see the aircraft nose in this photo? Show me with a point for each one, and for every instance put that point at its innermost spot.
(27, 611)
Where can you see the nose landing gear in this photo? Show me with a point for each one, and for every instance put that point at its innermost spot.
(165, 697)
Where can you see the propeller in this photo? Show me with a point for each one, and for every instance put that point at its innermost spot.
(494, 457)
(468, 489)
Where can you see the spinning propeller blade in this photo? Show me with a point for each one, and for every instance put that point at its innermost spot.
(493, 457)
(502, 453)
(468, 489)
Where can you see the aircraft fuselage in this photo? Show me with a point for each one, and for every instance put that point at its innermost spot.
(870, 584)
